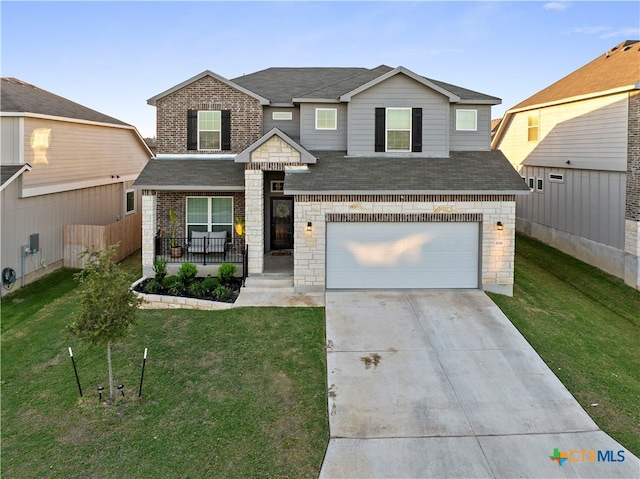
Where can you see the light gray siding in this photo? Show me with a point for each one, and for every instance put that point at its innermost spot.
(590, 204)
(47, 214)
(403, 92)
(313, 139)
(290, 127)
(479, 140)
(10, 140)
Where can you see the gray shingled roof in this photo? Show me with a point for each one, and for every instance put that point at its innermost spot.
(7, 172)
(281, 85)
(194, 175)
(21, 97)
(486, 172)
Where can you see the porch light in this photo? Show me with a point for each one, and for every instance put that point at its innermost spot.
(499, 226)
(309, 226)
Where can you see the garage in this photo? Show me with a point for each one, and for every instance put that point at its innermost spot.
(402, 255)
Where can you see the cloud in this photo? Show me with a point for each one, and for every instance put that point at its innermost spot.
(558, 6)
(628, 32)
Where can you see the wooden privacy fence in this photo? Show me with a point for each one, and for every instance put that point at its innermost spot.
(77, 238)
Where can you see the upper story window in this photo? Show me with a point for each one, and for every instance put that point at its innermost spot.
(398, 129)
(282, 115)
(467, 120)
(532, 127)
(131, 201)
(326, 118)
(209, 130)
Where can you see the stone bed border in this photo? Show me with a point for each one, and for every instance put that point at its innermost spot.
(159, 301)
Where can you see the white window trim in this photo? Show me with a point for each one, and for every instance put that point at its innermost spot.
(475, 119)
(537, 127)
(387, 130)
(220, 131)
(540, 184)
(209, 223)
(335, 113)
(287, 115)
(126, 203)
(556, 177)
(532, 183)
(275, 188)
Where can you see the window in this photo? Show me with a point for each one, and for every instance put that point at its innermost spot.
(326, 118)
(209, 130)
(131, 201)
(210, 214)
(539, 184)
(277, 186)
(532, 127)
(282, 115)
(556, 177)
(398, 129)
(532, 182)
(466, 120)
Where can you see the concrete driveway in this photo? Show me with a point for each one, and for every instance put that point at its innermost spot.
(439, 383)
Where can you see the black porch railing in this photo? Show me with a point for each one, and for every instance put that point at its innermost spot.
(200, 250)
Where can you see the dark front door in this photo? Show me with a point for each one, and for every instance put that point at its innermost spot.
(281, 223)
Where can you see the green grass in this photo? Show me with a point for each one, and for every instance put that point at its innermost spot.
(585, 324)
(235, 393)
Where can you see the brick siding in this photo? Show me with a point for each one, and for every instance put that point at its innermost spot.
(633, 159)
(207, 94)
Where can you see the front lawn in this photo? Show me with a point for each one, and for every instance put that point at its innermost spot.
(585, 324)
(234, 393)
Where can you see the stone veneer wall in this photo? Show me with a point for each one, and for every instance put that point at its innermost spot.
(275, 150)
(254, 219)
(149, 228)
(207, 94)
(632, 211)
(498, 247)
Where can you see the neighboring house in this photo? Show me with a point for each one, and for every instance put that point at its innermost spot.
(61, 164)
(371, 178)
(577, 145)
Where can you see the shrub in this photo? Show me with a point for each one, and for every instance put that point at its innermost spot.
(152, 286)
(187, 273)
(176, 289)
(221, 292)
(210, 284)
(197, 289)
(169, 281)
(226, 272)
(160, 269)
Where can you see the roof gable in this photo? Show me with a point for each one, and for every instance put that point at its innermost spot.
(305, 156)
(153, 100)
(9, 173)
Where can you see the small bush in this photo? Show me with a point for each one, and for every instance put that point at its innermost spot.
(221, 292)
(176, 289)
(210, 284)
(160, 269)
(226, 272)
(152, 286)
(169, 281)
(197, 289)
(187, 273)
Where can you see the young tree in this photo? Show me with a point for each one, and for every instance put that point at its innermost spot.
(108, 306)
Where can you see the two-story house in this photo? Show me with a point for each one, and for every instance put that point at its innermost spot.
(577, 145)
(62, 164)
(370, 178)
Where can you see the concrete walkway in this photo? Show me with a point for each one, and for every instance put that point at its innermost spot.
(441, 384)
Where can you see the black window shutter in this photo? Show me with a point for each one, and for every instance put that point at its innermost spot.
(380, 128)
(416, 129)
(192, 129)
(226, 130)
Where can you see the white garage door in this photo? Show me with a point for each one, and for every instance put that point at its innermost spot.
(402, 255)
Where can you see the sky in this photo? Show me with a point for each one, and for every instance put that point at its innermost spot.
(113, 56)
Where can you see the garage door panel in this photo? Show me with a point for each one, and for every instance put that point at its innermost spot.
(402, 255)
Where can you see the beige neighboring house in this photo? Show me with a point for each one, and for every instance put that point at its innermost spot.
(577, 146)
(61, 164)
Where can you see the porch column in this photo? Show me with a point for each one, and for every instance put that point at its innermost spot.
(149, 228)
(254, 219)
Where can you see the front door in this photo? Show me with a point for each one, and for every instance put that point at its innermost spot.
(282, 223)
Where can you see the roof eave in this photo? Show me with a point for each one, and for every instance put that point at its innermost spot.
(305, 156)
(405, 192)
(16, 175)
(188, 188)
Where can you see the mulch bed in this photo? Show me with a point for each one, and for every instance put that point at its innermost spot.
(234, 287)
